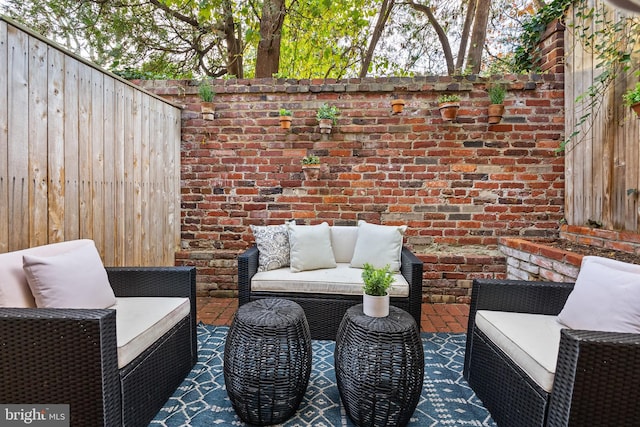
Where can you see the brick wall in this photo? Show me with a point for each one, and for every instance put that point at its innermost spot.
(458, 185)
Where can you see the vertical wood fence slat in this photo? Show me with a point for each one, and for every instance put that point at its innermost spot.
(602, 163)
(18, 159)
(4, 145)
(37, 143)
(55, 145)
(84, 154)
(71, 165)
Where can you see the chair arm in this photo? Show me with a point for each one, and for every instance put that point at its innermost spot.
(62, 356)
(247, 268)
(411, 269)
(597, 380)
(520, 296)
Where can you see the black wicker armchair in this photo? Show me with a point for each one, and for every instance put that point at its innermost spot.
(69, 356)
(597, 379)
(325, 311)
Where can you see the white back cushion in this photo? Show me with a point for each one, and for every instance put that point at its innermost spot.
(14, 288)
(606, 297)
(73, 279)
(310, 247)
(343, 241)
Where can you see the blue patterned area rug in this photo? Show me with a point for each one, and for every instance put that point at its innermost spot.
(447, 400)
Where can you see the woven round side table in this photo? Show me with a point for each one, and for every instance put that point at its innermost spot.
(267, 360)
(379, 365)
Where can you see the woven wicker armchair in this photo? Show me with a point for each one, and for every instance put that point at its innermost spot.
(325, 311)
(69, 356)
(597, 379)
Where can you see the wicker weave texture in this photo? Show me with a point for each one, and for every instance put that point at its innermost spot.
(379, 367)
(267, 360)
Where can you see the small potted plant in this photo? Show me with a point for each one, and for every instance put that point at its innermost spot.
(397, 105)
(206, 93)
(327, 117)
(377, 282)
(448, 106)
(496, 108)
(311, 167)
(285, 118)
(632, 98)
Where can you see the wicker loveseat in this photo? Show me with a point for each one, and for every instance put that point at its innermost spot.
(325, 309)
(597, 375)
(72, 356)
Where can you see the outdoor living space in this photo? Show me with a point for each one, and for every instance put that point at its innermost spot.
(205, 244)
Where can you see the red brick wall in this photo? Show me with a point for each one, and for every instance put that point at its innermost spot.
(459, 185)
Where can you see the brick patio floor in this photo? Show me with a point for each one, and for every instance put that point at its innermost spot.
(435, 317)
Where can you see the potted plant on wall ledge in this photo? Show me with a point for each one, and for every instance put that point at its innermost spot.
(327, 116)
(311, 167)
(206, 93)
(496, 108)
(377, 281)
(448, 106)
(285, 118)
(632, 98)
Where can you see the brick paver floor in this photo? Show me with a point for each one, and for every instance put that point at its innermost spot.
(435, 317)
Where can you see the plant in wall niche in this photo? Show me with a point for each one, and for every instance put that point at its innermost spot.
(311, 167)
(632, 98)
(327, 117)
(497, 93)
(285, 118)
(448, 106)
(397, 105)
(206, 93)
(377, 282)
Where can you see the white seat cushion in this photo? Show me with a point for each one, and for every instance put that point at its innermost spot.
(530, 340)
(141, 321)
(343, 280)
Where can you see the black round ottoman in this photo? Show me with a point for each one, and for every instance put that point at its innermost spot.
(379, 365)
(267, 360)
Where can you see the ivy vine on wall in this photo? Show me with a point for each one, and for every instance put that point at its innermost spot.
(612, 39)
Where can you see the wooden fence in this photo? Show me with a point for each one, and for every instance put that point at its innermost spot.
(602, 163)
(84, 154)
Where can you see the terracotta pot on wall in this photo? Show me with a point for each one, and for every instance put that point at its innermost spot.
(449, 110)
(311, 171)
(208, 110)
(496, 111)
(325, 125)
(636, 108)
(397, 105)
(285, 122)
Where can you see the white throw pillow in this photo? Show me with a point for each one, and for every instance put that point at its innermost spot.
(378, 245)
(273, 246)
(606, 297)
(74, 279)
(310, 247)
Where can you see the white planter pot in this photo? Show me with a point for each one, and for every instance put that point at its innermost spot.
(375, 306)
